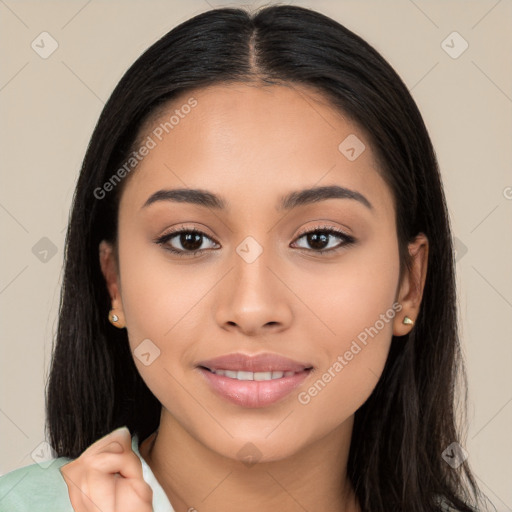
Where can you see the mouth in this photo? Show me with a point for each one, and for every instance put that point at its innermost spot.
(258, 376)
(253, 381)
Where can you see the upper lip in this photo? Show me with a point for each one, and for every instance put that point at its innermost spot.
(258, 363)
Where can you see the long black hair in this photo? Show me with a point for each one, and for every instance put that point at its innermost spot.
(401, 431)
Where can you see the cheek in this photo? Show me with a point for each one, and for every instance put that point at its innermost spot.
(156, 291)
(158, 303)
(163, 302)
(347, 298)
(359, 307)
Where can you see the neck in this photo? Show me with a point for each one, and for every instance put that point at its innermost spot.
(195, 477)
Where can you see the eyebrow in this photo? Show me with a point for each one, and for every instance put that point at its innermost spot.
(287, 202)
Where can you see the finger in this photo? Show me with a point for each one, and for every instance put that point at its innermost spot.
(81, 492)
(128, 496)
(113, 493)
(131, 467)
(94, 488)
(142, 489)
(127, 464)
(98, 494)
(73, 490)
(121, 435)
(91, 479)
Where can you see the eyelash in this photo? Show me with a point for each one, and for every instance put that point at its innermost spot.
(330, 230)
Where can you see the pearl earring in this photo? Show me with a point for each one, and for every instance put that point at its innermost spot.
(408, 321)
(114, 319)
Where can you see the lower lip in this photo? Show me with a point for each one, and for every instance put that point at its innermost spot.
(254, 393)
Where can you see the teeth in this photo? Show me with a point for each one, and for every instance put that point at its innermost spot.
(242, 375)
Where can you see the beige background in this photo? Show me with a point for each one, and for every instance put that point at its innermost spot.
(49, 108)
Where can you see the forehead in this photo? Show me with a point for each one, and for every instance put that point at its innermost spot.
(253, 143)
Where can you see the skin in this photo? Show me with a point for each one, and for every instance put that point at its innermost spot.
(107, 477)
(251, 145)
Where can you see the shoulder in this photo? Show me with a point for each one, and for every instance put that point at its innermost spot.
(38, 487)
(42, 488)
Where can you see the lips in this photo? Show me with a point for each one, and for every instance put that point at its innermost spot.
(253, 381)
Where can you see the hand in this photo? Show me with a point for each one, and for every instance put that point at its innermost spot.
(107, 477)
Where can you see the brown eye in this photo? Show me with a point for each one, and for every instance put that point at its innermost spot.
(185, 242)
(319, 239)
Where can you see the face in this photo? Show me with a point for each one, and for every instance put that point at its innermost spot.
(313, 285)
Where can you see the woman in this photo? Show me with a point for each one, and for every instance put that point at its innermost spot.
(259, 284)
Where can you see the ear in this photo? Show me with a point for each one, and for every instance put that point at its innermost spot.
(110, 272)
(412, 285)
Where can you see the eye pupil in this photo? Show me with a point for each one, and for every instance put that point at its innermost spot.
(187, 239)
(317, 240)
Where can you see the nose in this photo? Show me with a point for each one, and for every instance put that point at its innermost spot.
(253, 298)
